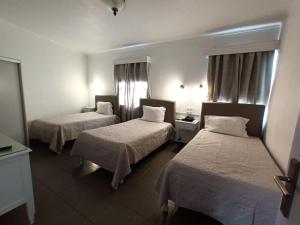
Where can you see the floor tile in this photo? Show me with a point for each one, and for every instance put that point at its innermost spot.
(68, 194)
(17, 216)
(115, 215)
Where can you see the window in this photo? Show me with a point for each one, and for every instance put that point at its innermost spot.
(132, 84)
(137, 90)
(241, 77)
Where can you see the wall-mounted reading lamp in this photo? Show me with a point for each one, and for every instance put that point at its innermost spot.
(182, 86)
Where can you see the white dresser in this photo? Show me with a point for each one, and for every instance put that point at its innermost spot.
(15, 178)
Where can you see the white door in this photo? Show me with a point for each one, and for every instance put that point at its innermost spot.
(11, 108)
(294, 217)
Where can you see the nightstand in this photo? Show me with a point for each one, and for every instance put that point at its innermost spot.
(88, 109)
(185, 131)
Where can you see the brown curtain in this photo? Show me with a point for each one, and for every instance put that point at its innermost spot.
(244, 77)
(130, 74)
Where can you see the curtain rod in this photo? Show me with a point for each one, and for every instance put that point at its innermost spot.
(133, 60)
(252, 47)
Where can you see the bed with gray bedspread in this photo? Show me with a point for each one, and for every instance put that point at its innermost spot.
(57, 130)
(228, 178)
(117, 147)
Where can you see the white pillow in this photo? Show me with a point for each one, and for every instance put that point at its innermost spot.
(235, 126)
(104, 108)
(154, 114)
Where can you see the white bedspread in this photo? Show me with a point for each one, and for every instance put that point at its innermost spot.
(118, 146)
(228, 178)
(57, 130)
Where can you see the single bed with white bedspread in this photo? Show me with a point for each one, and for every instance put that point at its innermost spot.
(226, 177)
(56, 131)
(116, 147)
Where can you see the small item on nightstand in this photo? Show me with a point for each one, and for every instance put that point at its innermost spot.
(189, 111)
(188, 119)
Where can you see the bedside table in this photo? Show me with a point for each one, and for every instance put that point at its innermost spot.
(185, 131)
(88, 109)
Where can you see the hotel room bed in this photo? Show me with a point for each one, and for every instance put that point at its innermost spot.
(117, 147)
(226, 177)
(58, 130)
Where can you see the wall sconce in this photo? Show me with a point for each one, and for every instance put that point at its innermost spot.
(181, 86)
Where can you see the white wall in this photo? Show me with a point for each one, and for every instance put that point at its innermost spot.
(284, 103)
(54, 78)
(173, 63)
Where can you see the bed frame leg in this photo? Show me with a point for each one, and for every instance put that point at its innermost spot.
(165, 208)
(81, 161)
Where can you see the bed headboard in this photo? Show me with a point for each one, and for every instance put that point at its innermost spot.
(253, 112)
(169, 105)
(113, 99)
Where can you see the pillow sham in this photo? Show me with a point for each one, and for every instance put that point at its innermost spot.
(154, 114)
(104, 108)
(232, 125)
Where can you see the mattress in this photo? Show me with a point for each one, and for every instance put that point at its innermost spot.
(228, 178)
(57, 130)
(118, 146)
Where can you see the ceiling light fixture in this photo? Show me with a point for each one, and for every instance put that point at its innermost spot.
(115, 5)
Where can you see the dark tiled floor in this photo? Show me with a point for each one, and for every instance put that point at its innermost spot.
(66, 194)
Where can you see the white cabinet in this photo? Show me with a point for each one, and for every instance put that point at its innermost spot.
(185, 131)
(12, 114)
(15, 178)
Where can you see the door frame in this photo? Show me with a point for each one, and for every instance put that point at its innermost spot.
(19, 65)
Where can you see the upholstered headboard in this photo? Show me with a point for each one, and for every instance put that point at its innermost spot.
(253, 112)
(113, 99)
(169, 105)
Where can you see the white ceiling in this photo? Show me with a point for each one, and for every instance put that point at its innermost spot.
(88, 26)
